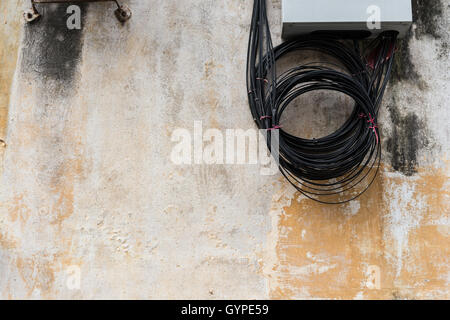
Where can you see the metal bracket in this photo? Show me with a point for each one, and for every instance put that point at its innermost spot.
(123, 13)
(32, 14)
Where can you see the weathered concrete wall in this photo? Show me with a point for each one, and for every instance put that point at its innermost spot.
(9, 39)
(87, 182)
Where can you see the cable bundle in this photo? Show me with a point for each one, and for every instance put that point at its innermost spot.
(341, 166)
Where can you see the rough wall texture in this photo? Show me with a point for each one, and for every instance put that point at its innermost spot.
(86, 118)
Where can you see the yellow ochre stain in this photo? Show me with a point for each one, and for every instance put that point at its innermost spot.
(9, 45)
(328, 252)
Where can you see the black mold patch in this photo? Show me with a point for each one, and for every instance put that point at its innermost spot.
(51, 50)
(444, 49)
(403, 69)
(427, 15)
(406, 140)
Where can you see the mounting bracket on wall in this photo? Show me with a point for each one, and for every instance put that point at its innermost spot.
(123, 13)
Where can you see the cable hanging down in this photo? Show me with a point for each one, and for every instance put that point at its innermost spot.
(340, 167)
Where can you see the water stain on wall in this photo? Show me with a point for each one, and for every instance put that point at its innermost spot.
(427, 16)
(9, 46)
(51, 56)
(51, 50)
(404, 69)
(51, 131)
(329, 252)
(409, 133)
(36, 273)
(406, 139)
(317, 251)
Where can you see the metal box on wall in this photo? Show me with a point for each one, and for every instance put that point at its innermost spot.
(346, 16)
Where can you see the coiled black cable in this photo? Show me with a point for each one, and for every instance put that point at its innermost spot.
(340, 167)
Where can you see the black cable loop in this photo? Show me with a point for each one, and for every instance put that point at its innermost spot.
(344, 163)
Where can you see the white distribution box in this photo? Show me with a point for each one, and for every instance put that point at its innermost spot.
(347, 17)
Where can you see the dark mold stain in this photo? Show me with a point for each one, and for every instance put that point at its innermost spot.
(443, 51)
(406, 140)
(409, 134)
(404, 69)
(51, 56)
(426, 15)
(52, 51)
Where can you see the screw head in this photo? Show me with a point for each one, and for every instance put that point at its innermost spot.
(123, 13)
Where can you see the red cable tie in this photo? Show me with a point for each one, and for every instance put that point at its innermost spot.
(265, 117)
(375, 131)
(262, 79)
(275, 128)
(371, 119)
(373, 127)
